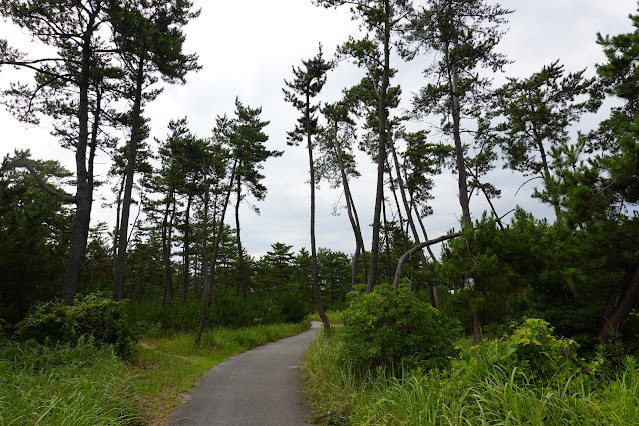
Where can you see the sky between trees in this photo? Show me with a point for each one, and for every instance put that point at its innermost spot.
(247, 49)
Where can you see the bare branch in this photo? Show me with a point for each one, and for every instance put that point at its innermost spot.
(402, 260)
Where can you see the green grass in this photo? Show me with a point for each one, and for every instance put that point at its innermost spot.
(84, 385)
(64, 385)
(168, 366)
(470, 392)
(334, 317)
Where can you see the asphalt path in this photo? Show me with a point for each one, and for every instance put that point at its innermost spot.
(257, 387)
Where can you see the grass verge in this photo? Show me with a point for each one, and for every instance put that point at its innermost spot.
(64, 385)
(168, 366)
(334, 317)
(469, 392)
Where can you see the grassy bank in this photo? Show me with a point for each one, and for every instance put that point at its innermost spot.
(470, 391)
(81, 384)
(77, 384)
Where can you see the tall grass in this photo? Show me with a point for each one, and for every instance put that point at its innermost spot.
(334, 317)
(64, 385)
(82, 384)
(471, 392)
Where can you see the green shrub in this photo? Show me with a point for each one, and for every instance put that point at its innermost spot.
(95, 317)
(533, 349)
(389, 327)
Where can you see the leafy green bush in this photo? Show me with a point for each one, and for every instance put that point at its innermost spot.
(94, 316)
(388, 328)
(533, 349)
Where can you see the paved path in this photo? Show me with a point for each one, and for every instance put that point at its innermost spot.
(257, 387)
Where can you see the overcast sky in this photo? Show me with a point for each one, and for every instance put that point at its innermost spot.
(247, 49)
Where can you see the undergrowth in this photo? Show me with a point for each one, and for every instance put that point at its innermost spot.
(65, 384)
(87, 384)
(475, 389)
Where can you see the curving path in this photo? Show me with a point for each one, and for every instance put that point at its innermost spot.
(257, 387)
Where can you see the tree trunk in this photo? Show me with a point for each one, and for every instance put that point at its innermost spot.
(381, 155)
(432, 291)
(547, 178)
(316, 288)
(402, 260)
(387, 243)
(393, 191)
(120, 259)
(166, 247)
(621, 303)
(240, 251)
(208, 290)
(187, 243)
(350, 208)
(84, 180)
(478, 319)
(459, 148)
(116, 230)
(205, 236)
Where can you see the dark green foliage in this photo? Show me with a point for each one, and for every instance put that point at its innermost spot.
(539, 270)
(94, 317)
(227, 310)
(34, 240)
(387, 328)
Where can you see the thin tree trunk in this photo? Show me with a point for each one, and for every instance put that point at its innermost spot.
(166, 247)
(205, 236)
(459, 148)
(240, 251)
(387, 243)
(208, 290)
(116, 231)
(350, 208)
(187, 243)
(393, 191)
(547, 178)
(120, 260)
(381, 155)
(478, 319)
(490, 202)
(316, 288)
(432, 292)
(84, 180)
(402, 260)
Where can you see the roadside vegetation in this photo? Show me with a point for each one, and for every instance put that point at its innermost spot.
(390, 375)
(55, 372)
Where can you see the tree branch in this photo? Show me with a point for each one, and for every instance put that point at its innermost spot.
(402, 260)
(48, 189)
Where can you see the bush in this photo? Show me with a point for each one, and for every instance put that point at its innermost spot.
(532, 348)
(388, 328)
(95, 317)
